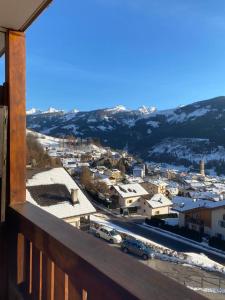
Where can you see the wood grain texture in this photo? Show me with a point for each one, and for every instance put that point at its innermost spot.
(3, 156)
(36, 274)
(60, 284)
(74, 292)
(15, 100)
(47, 278)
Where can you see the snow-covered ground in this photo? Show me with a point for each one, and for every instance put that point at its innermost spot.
(164, 253)
(183, 149)
(208, 290)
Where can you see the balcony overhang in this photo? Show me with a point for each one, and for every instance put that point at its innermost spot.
(18, 15)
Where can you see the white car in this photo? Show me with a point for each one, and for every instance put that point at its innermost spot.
(109, 234)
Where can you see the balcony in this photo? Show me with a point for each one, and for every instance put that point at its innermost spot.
(49, 259)
(195, 221)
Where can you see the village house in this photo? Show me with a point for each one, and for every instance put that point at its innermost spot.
(172, 191)
(114, 174)
(155, 187)
(129, 195)
(204, 216)
(156, 205)
(139, 171)
(57, 193)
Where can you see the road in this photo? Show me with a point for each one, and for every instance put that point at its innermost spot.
(163, 240)
(189, 276)
(133, 227)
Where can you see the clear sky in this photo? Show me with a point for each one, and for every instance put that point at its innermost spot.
(100, 53)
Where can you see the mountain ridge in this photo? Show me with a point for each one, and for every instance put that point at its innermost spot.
(182, 135)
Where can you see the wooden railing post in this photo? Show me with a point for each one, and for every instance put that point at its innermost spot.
(15, 100)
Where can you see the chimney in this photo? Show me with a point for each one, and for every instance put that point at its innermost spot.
(202, 167)
(74, 196)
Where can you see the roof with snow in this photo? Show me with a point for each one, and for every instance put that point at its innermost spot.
(159, 200)
(208, 195)
(130, 190)
(185, 204)
(158, 182)
(51, 191)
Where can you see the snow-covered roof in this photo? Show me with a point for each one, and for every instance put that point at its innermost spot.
(63, 209)
(158, 182)
(208, 195)
(130, 190)
(159, 200)
(184, 204)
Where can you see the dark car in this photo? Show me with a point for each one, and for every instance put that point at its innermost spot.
(137, 248)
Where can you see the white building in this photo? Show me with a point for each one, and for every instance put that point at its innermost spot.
(139, 171)
(129, 194)
(57, 193)
(159, 204)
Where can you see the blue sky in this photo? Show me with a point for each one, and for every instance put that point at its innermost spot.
(100, 53)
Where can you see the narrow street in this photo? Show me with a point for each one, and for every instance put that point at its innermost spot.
(132, 225)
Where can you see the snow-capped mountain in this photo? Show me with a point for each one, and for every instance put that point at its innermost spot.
(147, 110)
(183, 135)
(116, 109)
(33, 111)
(52, 110)
(74, 111)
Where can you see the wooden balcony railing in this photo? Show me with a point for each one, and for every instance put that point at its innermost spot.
(49, 259)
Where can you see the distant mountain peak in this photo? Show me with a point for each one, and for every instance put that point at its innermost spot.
(147, 110)
(33, 111)
(118, 108)
(52, 110)
(74, 111)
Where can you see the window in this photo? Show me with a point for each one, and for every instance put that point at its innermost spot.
(222, 224)
(157, 212)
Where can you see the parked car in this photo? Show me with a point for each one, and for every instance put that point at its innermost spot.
(109, 234)
(137, 248)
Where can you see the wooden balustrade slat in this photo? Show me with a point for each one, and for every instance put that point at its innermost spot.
(12, 264)
(24, 264)
(36, 273)
(75, 293)
(84, 295)
(28, 267)
(20, 259)
(59, 284)
(47, 278)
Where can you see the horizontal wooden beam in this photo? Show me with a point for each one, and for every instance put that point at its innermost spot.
(104, 272)
(35, 15)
